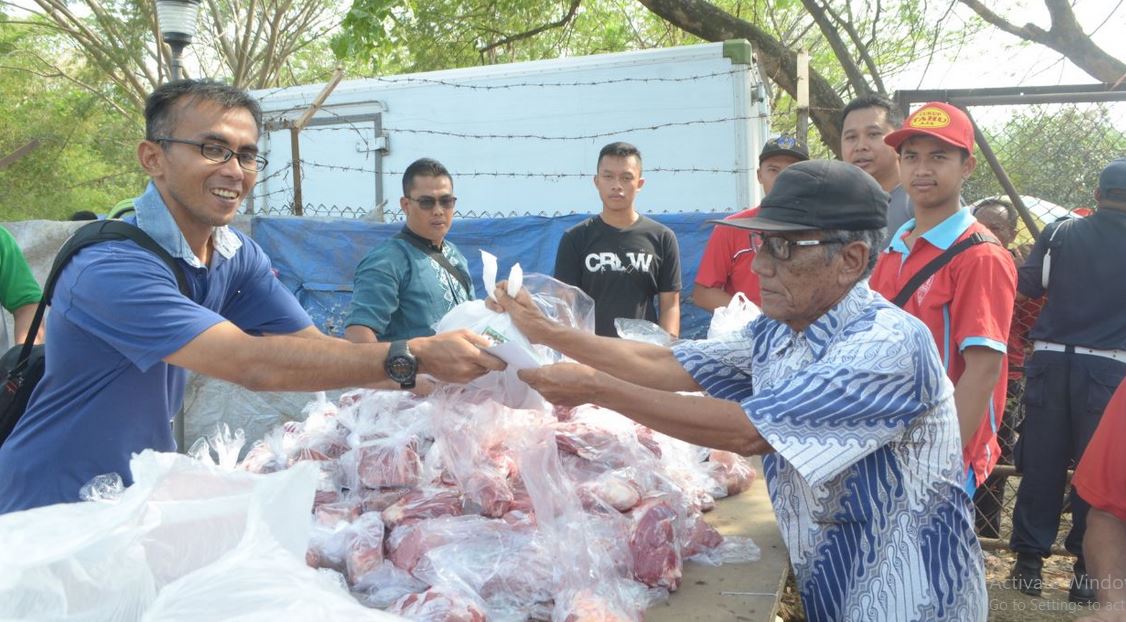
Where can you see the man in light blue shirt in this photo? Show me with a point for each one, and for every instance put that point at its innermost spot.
(121, 336)
(842, 392)
(405, 285)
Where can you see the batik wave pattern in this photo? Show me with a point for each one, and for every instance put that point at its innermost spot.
(865, 478)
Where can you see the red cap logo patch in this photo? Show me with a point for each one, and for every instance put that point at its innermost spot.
(931, 118)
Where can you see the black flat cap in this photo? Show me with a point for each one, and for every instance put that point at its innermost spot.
(817, 195)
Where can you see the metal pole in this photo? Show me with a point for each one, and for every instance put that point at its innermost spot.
(177, 50)
(295, 150)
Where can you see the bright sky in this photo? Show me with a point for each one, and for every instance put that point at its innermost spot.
(997, 59)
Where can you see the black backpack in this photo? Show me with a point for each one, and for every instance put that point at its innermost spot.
(22, 366)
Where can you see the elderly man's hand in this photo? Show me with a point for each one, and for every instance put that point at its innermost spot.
(527, 317)
(562, 384)
(455, 356)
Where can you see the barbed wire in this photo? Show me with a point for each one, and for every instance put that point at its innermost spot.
(514, 174)
(645, 128)
(405, 79)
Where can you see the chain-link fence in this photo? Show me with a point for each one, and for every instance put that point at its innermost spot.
(1049, 146)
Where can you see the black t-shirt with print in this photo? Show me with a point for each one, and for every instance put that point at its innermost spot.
(621, 269)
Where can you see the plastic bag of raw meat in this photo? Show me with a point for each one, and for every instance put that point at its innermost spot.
(585, 571)
(473, 444)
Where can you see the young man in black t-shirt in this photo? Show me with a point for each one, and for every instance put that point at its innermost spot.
(619, 257)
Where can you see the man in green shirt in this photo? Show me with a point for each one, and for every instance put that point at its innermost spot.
(19, 292)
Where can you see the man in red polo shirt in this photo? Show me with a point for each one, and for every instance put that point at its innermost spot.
(725, 267)
(968, 303)
(1100, 480)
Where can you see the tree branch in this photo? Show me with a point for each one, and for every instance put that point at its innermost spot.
(776, 62)
(535, 31)
(855, 77)
(1065, 36)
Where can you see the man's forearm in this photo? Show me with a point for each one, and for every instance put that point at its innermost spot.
(22, 318)
(644, 364)
(1104, 548)
(700, 420)
(974, 389)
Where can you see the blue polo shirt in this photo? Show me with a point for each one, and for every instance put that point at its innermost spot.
(1086, 287)
(116, 313)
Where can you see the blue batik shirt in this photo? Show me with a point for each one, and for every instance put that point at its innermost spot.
(866, 475)
(400, 292)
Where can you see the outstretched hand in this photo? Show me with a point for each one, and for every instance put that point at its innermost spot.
(455, 356)
(563, 384)
(527, 317)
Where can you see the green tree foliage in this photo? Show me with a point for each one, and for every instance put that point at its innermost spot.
(400, 36)
(1053, 152)
(855, 46)
(84, 158)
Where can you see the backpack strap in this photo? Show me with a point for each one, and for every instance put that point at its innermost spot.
(936, 264)
(95, 233)
(435, 254)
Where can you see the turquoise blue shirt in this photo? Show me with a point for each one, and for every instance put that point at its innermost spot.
(400, 292)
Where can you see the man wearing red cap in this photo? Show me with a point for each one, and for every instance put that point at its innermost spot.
(966, 302)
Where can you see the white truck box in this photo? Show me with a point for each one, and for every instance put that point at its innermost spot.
(523, 138)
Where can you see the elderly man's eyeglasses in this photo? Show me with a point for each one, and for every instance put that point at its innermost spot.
(218, 153)
(427, 202)
(780, 248)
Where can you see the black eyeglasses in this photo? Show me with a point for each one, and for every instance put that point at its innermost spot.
(427, 202)
(219, 153)
(780, 248)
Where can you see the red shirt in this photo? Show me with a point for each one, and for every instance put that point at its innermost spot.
(727, 260)
(969, 302)
(1100, 477)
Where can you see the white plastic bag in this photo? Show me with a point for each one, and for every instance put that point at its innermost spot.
(108, 561)
(504, 386)
(730, 321)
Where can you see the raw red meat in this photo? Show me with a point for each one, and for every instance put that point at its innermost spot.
(365, 547)
(610, 490)
(329, 514)
(423, 503)
(701, 537)
(379, 500)
(655, 545)
(733, 471)
(586, 606)
(436, 605)
(389, 464)
(487, 493)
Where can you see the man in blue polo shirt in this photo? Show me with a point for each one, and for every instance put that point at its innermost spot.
(121, 335)
(1078, 359)
(405, 285)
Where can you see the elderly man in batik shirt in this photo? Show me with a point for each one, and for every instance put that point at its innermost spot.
(842, 392)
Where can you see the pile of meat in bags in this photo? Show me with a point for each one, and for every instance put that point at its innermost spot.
(455, 507)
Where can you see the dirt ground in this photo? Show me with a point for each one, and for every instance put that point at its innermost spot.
(1006, 604)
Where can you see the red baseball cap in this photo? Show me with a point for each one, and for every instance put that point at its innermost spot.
(943, 121)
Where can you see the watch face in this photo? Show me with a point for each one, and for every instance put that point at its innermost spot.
(400, 368)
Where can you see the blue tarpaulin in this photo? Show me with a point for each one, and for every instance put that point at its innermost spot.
(317, 258)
